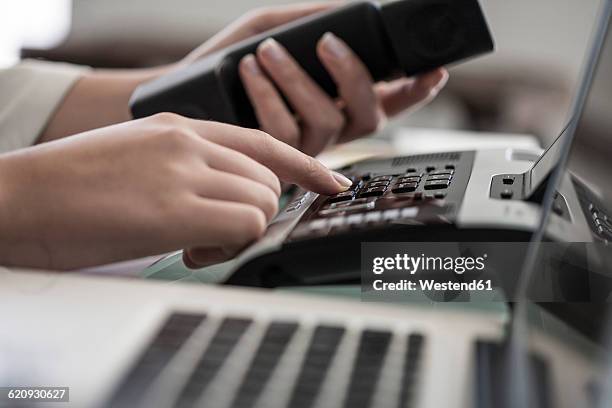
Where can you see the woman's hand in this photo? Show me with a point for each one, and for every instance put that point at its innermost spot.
(362, 107)
(146, 187)
(101, 97)
(360, 110)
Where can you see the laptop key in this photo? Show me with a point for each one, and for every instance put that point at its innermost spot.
(318, 358)
(268, 354)
(218, 351)
(411, 368)
(169, 340)
(371, 352)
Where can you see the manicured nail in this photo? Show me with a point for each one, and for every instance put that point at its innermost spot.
(442, 83)
(342, 180)
(273, 50)
(408, 86)
(334, 45)
(250, 63)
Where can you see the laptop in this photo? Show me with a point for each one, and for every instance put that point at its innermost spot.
(128, 343)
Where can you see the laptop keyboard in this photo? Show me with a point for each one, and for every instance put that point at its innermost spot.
(219, 349)
(269, 352)
(311, 360)
(317, 360)
(171, 337)
(366, 369)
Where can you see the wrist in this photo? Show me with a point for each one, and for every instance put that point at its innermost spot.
(5, 188)
(6, 204)
(99, 98)
(115, 87)
(22, 234)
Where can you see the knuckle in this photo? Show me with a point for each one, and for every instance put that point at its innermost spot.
(312, 167)
(265, 142)
(254, 224)
(331, 124)
(175, 140)
(348, 69)
(260, 19)
(259, 14)
(269, 204)
(166, 118)
(251, 16)
(290, 134)
(274, 183)
(178, 137)
(369, 125)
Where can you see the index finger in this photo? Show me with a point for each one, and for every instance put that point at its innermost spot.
(289, 164)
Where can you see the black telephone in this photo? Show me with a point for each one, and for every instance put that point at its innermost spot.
(402, 37)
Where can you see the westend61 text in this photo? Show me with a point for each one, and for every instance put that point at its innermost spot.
(430, 284)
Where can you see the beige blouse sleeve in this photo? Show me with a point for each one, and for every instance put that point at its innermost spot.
(29, 94)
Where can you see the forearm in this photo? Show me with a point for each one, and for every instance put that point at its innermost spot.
(15, 243)
(100, 98)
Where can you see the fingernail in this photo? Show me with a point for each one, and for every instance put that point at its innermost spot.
(334, 45)
(272, 49)
(408, 86)
(342, 180)
(250, 63)
(442, 83)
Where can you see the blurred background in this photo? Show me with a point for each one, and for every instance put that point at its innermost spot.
(525, 87)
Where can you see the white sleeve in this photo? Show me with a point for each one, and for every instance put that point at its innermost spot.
(29, 95)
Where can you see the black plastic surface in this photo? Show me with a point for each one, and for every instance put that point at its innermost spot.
(388, 44)
(332, 255)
